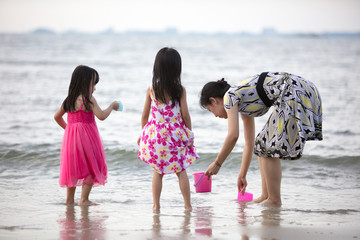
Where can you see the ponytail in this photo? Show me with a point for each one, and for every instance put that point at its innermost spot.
(213, 89)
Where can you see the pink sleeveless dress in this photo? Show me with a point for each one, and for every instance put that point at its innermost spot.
(82, 159)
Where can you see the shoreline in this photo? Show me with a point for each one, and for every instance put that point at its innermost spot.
(217, 232)
(126, 221)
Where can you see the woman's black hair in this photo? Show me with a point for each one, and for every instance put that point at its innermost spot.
(82, 80)
(166, 75)
(213, 89)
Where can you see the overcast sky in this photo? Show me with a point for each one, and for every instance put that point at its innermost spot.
(287, 16)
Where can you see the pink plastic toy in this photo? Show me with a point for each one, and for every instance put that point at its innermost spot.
(202, 184)
(246, 197)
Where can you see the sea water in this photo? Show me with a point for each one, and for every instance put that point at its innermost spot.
(322, 189)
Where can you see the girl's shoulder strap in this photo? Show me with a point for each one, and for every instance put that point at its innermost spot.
(152, 93)
(152, 96)
(82, 104)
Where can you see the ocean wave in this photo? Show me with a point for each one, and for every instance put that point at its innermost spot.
(344, 133)
(338, 161)
(326, 212)
(48, 155)
(116, 156)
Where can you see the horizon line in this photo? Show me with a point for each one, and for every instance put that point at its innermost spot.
(173, 31)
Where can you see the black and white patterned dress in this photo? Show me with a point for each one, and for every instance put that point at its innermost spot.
(296, 118)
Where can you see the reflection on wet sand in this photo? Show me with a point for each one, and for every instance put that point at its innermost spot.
(203, 220)
(243, 217)
(202, 217)
(271, 216)
(83, 227)
(157, 227)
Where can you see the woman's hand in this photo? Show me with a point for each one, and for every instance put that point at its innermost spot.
(242, 183)
(213, 169)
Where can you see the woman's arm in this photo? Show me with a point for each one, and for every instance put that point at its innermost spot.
(184, 110)
(59, 117)
(249, 135)
(230, 141)
(146, 112)
(103, 114)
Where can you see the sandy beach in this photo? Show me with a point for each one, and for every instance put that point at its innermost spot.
(125, 213)
(99, 222)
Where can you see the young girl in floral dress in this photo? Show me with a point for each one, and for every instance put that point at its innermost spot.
(166, 141)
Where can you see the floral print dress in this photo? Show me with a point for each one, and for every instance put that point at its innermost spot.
(165, 139)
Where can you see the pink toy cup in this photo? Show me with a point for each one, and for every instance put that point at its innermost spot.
(246, 197)
(202, 184)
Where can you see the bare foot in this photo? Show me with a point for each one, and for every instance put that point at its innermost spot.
(70, 202)
(86, 203)
(156, 208)
(270, 202)
(188, 208)
(260, 199)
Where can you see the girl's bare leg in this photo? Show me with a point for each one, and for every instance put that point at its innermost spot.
(272, 172)
(70, 195)
(185, 189)
(85, 192)
(156, 190)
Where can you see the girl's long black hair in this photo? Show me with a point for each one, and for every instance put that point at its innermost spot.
(213, 89)
(82, 80)
(166, 75)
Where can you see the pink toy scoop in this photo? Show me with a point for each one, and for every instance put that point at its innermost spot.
(246, 197)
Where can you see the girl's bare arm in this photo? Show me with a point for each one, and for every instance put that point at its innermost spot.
(103, 114)
(184, 110)
(59, 117)
(146, 110)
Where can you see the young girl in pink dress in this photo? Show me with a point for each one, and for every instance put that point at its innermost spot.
(166, 142)
(82, 160)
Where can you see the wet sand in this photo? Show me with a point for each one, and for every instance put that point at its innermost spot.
(32, 207)
(126, 220)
